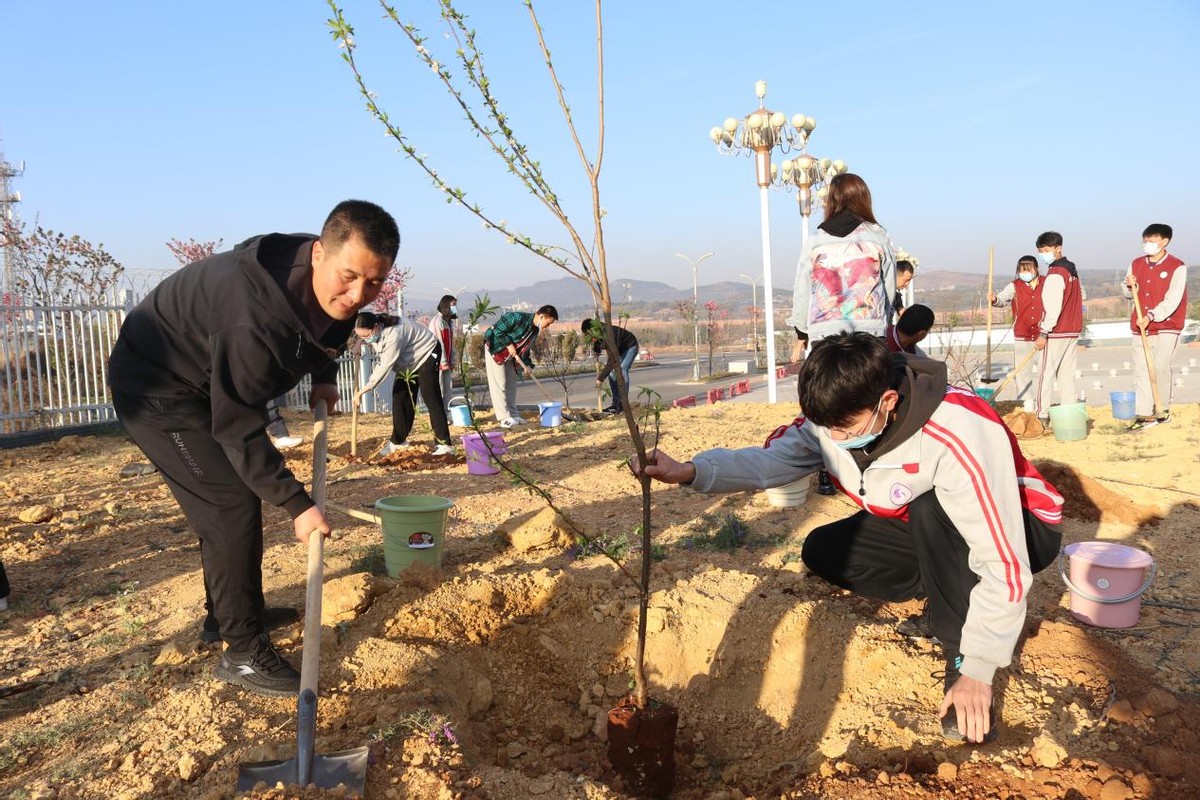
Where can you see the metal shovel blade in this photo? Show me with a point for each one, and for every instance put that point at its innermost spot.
(344, 768)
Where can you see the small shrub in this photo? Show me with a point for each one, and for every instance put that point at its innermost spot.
(368, 558)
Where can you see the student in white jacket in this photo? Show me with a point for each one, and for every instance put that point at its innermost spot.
(951, 509)
(413, 352)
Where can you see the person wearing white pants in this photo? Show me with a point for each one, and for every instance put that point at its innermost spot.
(1160, 280)
(1025, 296)
(1062, 322)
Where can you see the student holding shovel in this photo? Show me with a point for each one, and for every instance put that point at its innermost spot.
(192, 372)
(506, 344)
(1024, 294)
(413, 352)
(950, 508)
(1157, 282)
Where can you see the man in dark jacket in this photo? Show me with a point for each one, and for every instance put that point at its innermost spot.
(627, 352)
(192, 372)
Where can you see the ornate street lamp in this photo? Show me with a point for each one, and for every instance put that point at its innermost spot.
(758, 134)
(811, 176)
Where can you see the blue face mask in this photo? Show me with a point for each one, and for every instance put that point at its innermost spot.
(373, 338)
(1047, 258)
(863, 439)
(1028, 276)
(453, 310)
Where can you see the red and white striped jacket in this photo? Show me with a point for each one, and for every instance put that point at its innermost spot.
(965, 453)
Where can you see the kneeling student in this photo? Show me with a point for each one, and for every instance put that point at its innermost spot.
(951, 509)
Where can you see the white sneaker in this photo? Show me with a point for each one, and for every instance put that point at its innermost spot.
(285, 442)
(3, 604)
(390, 447)
(444, 450)
(512, 422)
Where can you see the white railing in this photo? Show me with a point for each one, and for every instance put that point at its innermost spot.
(54, 363)
(54, 366)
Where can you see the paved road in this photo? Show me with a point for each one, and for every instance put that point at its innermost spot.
(1101, 369)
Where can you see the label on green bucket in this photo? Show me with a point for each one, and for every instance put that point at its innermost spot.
(421, 540)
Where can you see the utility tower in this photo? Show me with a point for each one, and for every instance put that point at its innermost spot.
(8, 199)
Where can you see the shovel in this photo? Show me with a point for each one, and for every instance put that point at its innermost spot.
(987, 373)
(1137, 305)
(1013, 374)
(346, 768)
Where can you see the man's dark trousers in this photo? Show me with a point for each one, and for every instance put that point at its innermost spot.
(176, 435)
(894, 560)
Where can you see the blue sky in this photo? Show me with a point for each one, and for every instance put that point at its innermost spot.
(142, 121)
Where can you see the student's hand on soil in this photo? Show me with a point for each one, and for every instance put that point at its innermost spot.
(324, 391)
(972, 700)
(311, 521)
(664, 468)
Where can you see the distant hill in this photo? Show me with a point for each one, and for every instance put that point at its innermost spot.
(942, 290)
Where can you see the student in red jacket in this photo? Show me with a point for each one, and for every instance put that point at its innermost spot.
(1161, 281)
(1025, 296)
(1062, 322)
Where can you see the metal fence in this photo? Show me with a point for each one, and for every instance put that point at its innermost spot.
(54, 367)
(54, 362)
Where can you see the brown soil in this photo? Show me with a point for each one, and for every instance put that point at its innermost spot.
(518, 645)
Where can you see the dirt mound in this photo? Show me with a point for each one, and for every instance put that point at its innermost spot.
(1023, 424)
(1089, 501)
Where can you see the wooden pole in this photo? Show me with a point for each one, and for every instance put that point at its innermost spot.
(987, 375)
(1137, 307)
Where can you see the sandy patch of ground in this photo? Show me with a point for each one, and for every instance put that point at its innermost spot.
(786, 686)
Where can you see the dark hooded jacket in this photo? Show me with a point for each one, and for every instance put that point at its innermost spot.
(225, 335)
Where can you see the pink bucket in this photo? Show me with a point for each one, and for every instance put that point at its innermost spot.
(1106, 582)
(479, 459)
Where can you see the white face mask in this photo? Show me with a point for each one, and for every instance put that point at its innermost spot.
(1152, 248)
(1028, 276)
(1047, 258)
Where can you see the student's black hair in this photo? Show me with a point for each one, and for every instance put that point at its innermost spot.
(905, 266)
(844, 375)
(586, 326)
(916, 318)
(369, 319)
(1032, 260)
(445, 303)
(370, 223)
(1049, 239)
(549, 311)
(1158, 229)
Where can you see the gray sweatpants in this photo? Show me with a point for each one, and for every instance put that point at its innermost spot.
(1024, 386)
(1057, 365)
(1162, 348)
(502, 386)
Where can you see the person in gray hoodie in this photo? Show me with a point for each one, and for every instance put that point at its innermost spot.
(950, 509)
(413, 352)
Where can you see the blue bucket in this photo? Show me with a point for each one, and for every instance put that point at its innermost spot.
(1123, 404)
(460, 412)
(550, 414)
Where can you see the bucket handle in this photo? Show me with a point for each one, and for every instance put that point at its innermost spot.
(460, 400)
(1062, 573)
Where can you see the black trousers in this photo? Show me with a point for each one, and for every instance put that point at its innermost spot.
(404, 406)
(222, 511)
(894, 560)
(5, 589)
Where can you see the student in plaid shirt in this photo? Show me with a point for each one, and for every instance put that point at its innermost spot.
(507, 343)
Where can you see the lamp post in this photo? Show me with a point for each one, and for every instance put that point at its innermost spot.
(811, 176)
(695, 309)
(758, 134)
(753, 310)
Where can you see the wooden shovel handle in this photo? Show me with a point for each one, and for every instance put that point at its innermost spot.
(310, 661)
(1137, 307)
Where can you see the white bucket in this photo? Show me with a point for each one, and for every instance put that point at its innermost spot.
(789, 495)
(1107, 581)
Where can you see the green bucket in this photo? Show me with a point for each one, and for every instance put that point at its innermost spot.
(414, 528)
